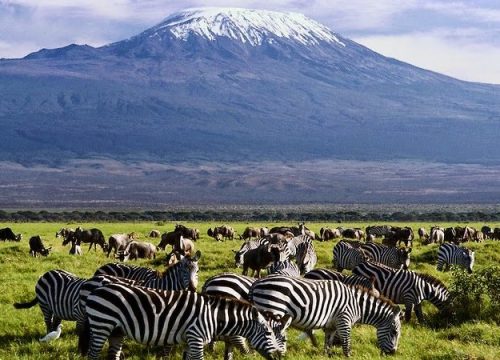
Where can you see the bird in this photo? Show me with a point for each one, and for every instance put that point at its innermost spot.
(52, 335)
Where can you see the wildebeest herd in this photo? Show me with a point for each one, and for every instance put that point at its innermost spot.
(165, 309)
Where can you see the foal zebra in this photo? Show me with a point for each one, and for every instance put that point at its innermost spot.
(405, 287)
(329, 305)
(162, 318)
(451, 254)
(180, 276)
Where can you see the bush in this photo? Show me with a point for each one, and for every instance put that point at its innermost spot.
(476, 296)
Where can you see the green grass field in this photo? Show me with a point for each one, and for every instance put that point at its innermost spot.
(21, 329)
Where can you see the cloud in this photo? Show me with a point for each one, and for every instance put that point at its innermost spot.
(438, 51)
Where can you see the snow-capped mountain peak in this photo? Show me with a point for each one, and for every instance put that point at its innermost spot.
(248, 26)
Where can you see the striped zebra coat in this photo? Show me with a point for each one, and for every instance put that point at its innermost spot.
(57, 293)
(351, 280)
(180, 276)
(405, 287)
(347, 255)
(287, 267)
(329, 305)
(306, 256)
(393, 257)
(161, 318)
(451, 254)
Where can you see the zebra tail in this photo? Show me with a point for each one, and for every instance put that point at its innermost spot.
(26, 305)
(84, 338)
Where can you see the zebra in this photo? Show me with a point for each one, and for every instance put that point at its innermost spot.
(390, 256)
(295, 241)
(405, 287)
(162, 318)
(352, 280)
(451, 254)
(378, 230)
(287, 267)
(347, 256)
(306, 256)
(236, 287)
(180, 276)
(329, 305)
(247, 245)
(57, 293)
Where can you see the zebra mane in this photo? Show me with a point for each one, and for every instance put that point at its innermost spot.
(431, 279)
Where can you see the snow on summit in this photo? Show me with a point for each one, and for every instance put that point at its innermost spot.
(248, 26)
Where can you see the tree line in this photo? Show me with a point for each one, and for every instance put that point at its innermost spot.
(245, 215)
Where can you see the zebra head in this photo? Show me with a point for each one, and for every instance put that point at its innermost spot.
(404, 257)
(389, 332)
(190, 271)
(279, 325)
(435, 291)
(262, 337)
(468, 260)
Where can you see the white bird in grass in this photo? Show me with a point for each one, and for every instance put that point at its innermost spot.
(52, 335)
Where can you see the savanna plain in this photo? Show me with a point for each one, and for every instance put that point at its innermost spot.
(475, 338)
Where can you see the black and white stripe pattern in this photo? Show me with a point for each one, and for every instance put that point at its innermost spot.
(306, 256)
(57, 293)
(287, 267)
(393, 257)
(162, 318)
(378, 230)
(405, 287)
(329, 305)
(239, 256)
(347, 255)
(451, 254)
(351, 280)
(180, 276)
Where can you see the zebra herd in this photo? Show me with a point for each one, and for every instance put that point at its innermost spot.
(165, 309)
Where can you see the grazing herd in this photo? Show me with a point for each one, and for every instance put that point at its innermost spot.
(165, 309)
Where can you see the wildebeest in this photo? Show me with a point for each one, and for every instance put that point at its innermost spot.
(93, 237)
(221, 232)
(172, 238)
(64, 232)
(487, 232)
(351, 233)
(8, 234)
(496, 234)
(250, 232)
(326, 234)
(260, 258)
(398, 235)
(155, 233)
(137, 250)
(118, 242)
(37, 247)
(436, 235)
(422, 233)
(69, 236)
(189, 233)
(264, 231)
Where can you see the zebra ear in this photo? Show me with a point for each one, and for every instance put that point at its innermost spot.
(197, 256)
(286, 320)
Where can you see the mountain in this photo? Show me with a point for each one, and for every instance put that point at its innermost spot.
(238, 86)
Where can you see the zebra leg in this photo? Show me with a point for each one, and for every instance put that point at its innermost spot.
(115, 346)
(166, 351)
(194, 346)
(228, 351)
(419, 313)
(408, 310)
(344, 333)
(311, 336)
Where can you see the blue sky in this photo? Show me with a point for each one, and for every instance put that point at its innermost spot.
(457, 38)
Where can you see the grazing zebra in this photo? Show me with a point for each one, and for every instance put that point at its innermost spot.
(390, 256)
(405, 287)
(352, 280)
(306, 256)
(329, 305)
(57, 293)
(180, 276)
(162, 318)
(451, 254)
(287, 267)
(378, 230)
(347, 256)
(236, 287)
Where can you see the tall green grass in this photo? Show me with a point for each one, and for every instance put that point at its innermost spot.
(20, 329)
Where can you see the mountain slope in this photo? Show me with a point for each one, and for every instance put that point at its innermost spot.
(239, 85)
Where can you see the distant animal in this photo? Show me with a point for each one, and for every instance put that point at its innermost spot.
(264, 231)
(451, 254)
(137, 250)
(188, 233)
(37, 247)
(117, 243)
(326, 234)
(250, 232)
(184, 247)
(422, 233)
(496, 234)
(8, 234)
(155, 233)
(260, 258)
(75, 249)
(436, 235)
(64, 232)
(351, 233)
(487, 231)
(172, 238)
(221, 232)
(378, 230)
(91, 236)
(450, 234)
(399, 235)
